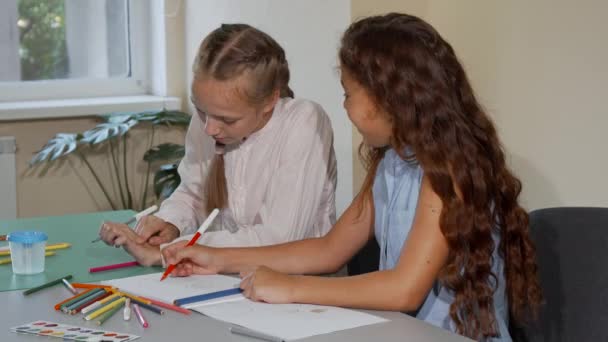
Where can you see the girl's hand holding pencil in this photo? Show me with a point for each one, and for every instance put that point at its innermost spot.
(174, 253)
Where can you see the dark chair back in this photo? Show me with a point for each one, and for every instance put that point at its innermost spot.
(572, 255)
(366, 260)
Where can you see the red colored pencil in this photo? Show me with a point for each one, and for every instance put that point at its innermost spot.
(168, 306)
(192, 241)
(113, 267)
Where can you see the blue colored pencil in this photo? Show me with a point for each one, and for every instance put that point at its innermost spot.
(207, 296)
(148, 306)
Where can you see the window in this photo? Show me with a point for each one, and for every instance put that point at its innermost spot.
(57, 49)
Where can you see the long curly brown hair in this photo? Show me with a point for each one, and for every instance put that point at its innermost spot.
(413, 74)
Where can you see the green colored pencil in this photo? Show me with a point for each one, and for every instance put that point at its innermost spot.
(44, 286)
(109, 314)
(87, 294)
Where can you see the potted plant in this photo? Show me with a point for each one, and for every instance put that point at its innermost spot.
(113, 133)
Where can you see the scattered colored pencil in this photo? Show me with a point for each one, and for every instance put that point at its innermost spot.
(51, 247)
(58, 305)
(76, 307)
(44, 286)
(140, 316)
(92, 302)
(110, 313)
(148, 307)
(67, 308)
(113, 267)
(5, 261)
(126, 315)
(168, 306)
(69, 286)
(132, 296)
(105, 308)
(100, 303)
(81, 296)
(90, 286)
(192, 241)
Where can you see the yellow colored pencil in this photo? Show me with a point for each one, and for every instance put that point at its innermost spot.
(108, 307)
(132, 296)
(109, 298)
(4, 261)
(50, 247)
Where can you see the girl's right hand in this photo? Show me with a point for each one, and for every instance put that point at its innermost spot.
(196, 259)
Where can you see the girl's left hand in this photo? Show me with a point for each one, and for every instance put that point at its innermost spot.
(265, 285)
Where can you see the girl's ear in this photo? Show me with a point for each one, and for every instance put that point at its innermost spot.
(269, 104)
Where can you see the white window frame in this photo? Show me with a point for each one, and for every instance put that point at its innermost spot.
(145, 88)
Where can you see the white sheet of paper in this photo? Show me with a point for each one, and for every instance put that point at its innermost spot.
(173, 288)
(287, 321)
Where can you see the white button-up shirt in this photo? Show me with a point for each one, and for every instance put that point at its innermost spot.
(281, 181)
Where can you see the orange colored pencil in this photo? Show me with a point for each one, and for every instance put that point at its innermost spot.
(132, 296)
(90, 286)
(58, 305)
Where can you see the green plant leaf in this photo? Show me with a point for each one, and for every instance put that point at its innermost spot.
(104, 131)
(164, 152)
(165, 117)
(118, 117)
(166, 180)
(62, 144)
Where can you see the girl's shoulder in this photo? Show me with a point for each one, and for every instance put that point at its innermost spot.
(302, 112)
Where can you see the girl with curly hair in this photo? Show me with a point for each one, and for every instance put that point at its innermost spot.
(455, 249)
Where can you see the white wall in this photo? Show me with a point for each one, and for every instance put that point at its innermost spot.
(540, 69)
(309, 31)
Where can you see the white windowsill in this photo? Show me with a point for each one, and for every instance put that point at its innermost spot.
(52, 109)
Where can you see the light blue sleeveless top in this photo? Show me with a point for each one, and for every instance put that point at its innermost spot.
(395, 191)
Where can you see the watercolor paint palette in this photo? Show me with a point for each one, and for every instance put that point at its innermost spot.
(71, 332)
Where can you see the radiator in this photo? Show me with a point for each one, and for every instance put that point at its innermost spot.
(8, 179)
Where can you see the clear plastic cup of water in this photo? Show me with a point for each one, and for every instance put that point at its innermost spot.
(27, 251)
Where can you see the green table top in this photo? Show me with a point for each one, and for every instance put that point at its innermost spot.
(78, 230)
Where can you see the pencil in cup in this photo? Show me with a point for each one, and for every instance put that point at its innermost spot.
(113, 266)
(110, 313)
(46, 285)
(192, 241)
(105, 308)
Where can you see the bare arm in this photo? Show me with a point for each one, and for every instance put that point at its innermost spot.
(402, 288)
(311, 256)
